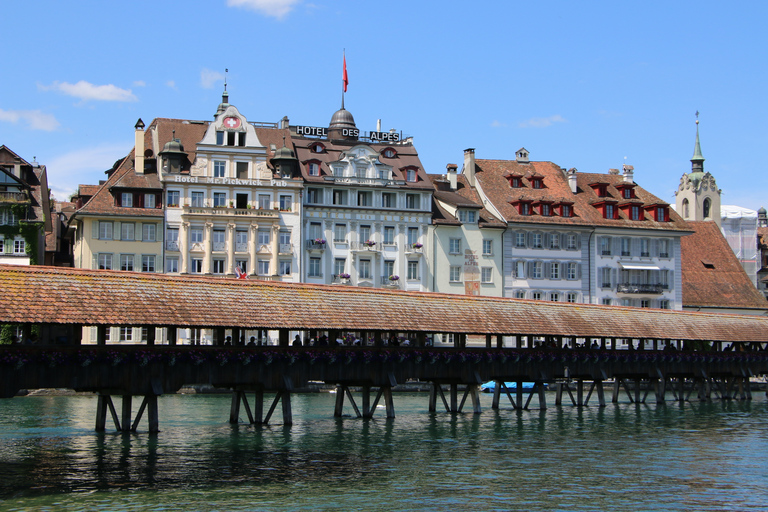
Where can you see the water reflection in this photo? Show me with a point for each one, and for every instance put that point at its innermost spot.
(623, 456)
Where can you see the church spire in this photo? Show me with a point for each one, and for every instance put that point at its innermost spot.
(697, 162)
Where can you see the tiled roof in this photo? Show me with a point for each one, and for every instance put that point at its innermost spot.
(762, 238)
(464, 196)
(493, 174)
(712, 275)
(97, 297)
(188, 132)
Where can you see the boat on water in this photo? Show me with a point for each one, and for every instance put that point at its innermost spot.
(490, 386)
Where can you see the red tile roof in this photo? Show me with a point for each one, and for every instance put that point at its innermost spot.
(493, 174)
(712, 275)
(93, 297)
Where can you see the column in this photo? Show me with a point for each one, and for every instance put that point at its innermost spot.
(184, 247)
(208, 244)
(230, 264)
(274, 240)
(252, 247)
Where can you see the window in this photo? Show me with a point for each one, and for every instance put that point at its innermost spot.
(411, 175)
(196, 235)
(314, 169)
(105, 262)
(411, 201)
(172, 198)
(605, 246)
(365, 198)
(515, 182)
(572, 271)
(661, 213)
(455, 273)
(519, 294)
(285, 241)
(285, 203)
(219, 239)
(389, 234)
(340, 197)
(364, 269)
(572, 242)
(536, 183)
(264, 237)
(389, 153)
(606, 301)
(218, 266)
(388, 200)
(2, 245)
(105, 230)
(545, 210)
(554, 297)
(219, 199)
(645, 303)
(486, 275)
(338, 171)
(198, 199)
(314, 196)
(536, 295)
(686, 208)
(572, 297)
(148, 263)
(625, 247)
(8, 218)
(520, 239)
(339, 264)
(413, 270)
(219, 138)
(645, 248)
(364, 234)
(126, 200)
(315, 230)
(634, 212)
(663, 248)
(263, 267)
(554, 241)
(219, 168)
(467, 216)
(126, 262)
(149, 200)
(314, 267)
(525, 209)
(127, 230)
(487, 247)
(455, 246)
(126, 334)
(605, 277)
(339, 234)
(413, 236)
(554, 270)
(242, 265)
(566, 210)
(264, 201)
(241, 240)
(389, 269)
(148, 232)
(610, 211)
(285, 267)
(242, 170)
(519, 269)
(536, 240)
(172, 265)
(537, 270)
(197, 265)
(663, 304)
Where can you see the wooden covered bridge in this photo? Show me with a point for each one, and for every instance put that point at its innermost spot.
(524, 340)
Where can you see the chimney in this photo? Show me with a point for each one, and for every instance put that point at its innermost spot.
(469, 166)
(572, 179)
(629, 174)
(451, 175)
(378, 125)
(17, 168)
(284, 123)
(138, 147)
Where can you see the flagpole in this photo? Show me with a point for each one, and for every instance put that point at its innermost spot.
(343, 77)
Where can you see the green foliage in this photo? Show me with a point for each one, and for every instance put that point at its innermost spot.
(6, 333)
(30, 231)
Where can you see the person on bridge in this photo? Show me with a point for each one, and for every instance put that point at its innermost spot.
(297, 341)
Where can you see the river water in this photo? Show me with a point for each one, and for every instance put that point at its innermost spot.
(698, 456)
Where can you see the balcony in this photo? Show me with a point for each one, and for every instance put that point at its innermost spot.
(285, 249)
(340, 278)
(415, 248)
(655, 289)
(241, 247)
(172, 245)
(386, 282)
(316, 244)
(13, 197)
(230, 212)
(369, 246)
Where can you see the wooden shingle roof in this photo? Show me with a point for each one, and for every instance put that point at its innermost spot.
(61, 295)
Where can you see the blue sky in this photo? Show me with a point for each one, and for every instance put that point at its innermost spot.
(589, 85)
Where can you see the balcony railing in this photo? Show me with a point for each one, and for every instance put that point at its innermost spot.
(172, 245)
(219, 246)
(641, 288)
(414, 248)
(340, 278)
(314, 245)
(230, 212)
(241, 247)
(285, 249)
(13, 197)
(386, 282)
(364, 246)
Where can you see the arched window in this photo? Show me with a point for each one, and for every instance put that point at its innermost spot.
(707, 207)
(686, 211)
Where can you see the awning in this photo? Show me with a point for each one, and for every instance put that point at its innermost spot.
(638, 266)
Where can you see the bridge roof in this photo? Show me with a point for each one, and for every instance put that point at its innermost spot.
(61, 295)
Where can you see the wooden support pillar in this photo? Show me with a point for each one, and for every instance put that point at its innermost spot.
(171, 334)
(101, 334)
(236, 333)
(433, 397)
(338, 410)
(219, 335)
(258, 406)
(234, 407)
(558, 394)
(77, 334)
(580, 392)
(680, 394)
(388, 402)
(421, 339)
(474, 393)
(125, 422)
(101, 413)
(377, 341)
(600, 393)
(496, 394)
(519, 394)
(284, 335)
(661, 390)
(542, 396)
(287, 414)
(488, 340)
(150, 335)
(637, 390)
(616, 389)
(454, 397)
(499, 341)
(153, 417)
(367, 413)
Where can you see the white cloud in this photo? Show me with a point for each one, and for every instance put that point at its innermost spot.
(82, 166)
(542, 122)
(208, 78)
(171, 84)
(139, 83)
(498, 124)
(88, 91)
(274, 8)
(35, 119)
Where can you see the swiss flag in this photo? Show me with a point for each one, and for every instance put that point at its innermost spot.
(345, 78)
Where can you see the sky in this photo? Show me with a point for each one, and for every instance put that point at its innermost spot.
(590, 85)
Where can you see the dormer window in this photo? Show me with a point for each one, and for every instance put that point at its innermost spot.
(634, 211)
(601, 189)
(523, 207)
(126, 200)
(545, 210)
(468, 216)
(610, 211)
(662, 214)
(566, 210)
(627, 190)
(536, 181)
(515, 182)
(626, 193)
(411, 174)
(317, 148)
(389, 153)
(313, 168)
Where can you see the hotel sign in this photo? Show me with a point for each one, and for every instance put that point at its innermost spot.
(230, 181)
(316, 131)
